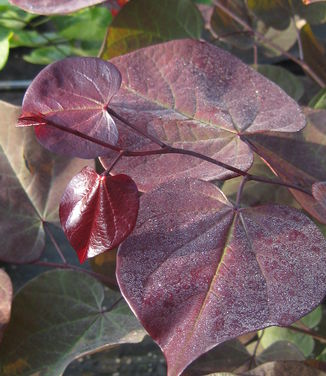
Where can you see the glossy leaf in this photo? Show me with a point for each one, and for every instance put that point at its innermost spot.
(303, 168)
(54, 6)
(60, 316)
(142, 23)
(32, 182)
(74, 93)
(98, 212)
(290, 83)
(206, 99)
(197, 272)
(5, 301)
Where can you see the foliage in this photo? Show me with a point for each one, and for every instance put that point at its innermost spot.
(208, 195)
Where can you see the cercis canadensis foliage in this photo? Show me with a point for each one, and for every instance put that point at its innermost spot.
(169, 121)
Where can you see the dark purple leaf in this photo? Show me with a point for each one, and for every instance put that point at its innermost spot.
(297, 158)
(5, 301)
(98, 212)
(197, 272)
(73, 93)
(53, 6)
(32, 183)
(193, 95)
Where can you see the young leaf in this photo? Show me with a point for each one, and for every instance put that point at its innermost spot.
(195, 96)
(145, 22)
(60, 316)
(32, 183)
(297, 158)
(74, 93)
(54, 6)
(98, 212)
(5, 301)
(197, 272)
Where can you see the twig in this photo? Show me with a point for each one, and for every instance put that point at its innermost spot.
(252, 359)
(309, 333)
(261, 37)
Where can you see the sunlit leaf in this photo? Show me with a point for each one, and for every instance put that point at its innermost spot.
(60, 316)
(32, 182)
(198, 272)
(54, 6)
(74, 93)
(298, 158)
(5, 301)
(142, 23)
(4, 46)
(195, 96)
(98, 212)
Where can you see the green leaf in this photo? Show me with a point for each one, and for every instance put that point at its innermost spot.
(88, 24)
(31, 38)
(291, 84)
(319, 100)
(141, 23)
(32, 183)
(313, 318)
(12, 17)
(60, 316)
(4, 46)
(47, 55)
(274, 334)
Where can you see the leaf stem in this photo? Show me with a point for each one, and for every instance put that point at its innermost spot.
(261, 37)
(54, 242)
(240, 191)
(114, 162)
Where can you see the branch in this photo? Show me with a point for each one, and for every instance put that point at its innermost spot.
(261, 37)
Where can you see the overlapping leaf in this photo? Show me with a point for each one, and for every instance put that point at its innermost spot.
(195, 96)
(32, 182)
(298, 158)
(145, 22)
(74, 93)
(319, 193)
(54, 6)
(5, 301)
(60, 316)
(197, 272)
(98, 212)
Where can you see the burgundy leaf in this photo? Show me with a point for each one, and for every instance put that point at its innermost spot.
(73, 93)
(98, 212)
(193, 95)
(197, 272)
(53, 6)
(297, 158)
(319, 193)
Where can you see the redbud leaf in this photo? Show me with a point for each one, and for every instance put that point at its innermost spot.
(197, 272)
(98, 212)
(5, 301)
(193, 95)
(74, 93)
(297, 158)
(54, 6)
(60, 316)
(32, 183)
(319, 193)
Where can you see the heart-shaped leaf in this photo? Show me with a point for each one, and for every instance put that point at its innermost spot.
(32, 183)
(54, 6)
(198, 272)
(297, 158)
(195, 96)
(5, 301)
(74, 93)
(142, 23)
(98, 212)
(60, 316)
